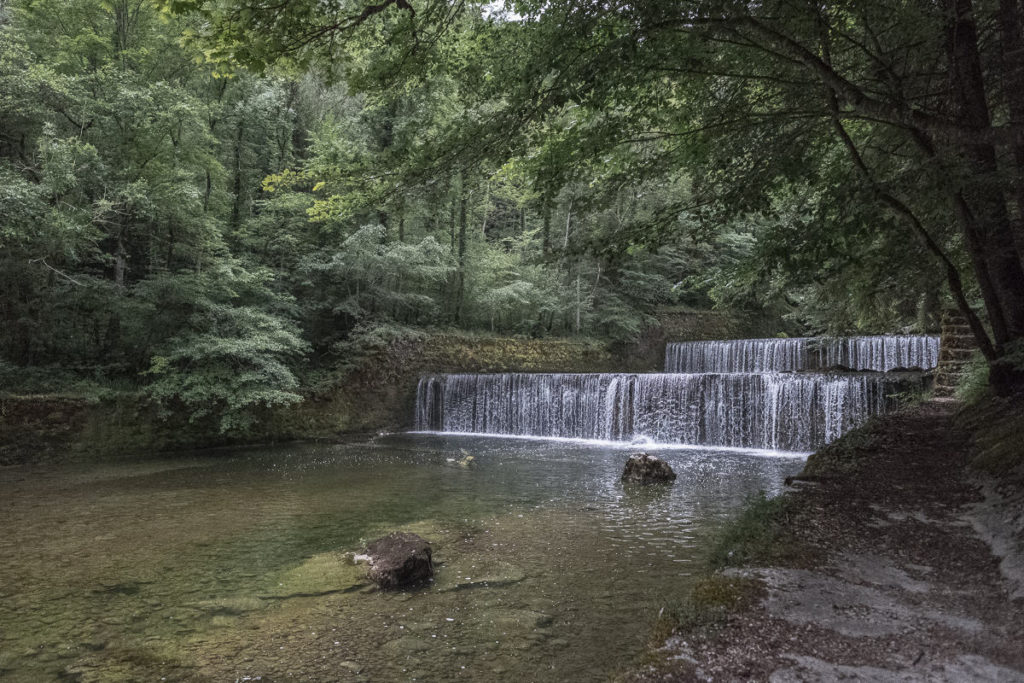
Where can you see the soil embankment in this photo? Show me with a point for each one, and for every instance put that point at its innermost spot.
(893, 559)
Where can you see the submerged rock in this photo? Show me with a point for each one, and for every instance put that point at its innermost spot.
(647, 469)
(399, 559)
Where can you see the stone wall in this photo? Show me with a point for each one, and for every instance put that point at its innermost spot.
(381, 394)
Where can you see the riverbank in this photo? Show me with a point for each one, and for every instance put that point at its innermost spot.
(375, 395)
(370, 391)
(897, 554)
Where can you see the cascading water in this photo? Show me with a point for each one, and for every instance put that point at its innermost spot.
(804, 353)
(767, 411)
(744, 393)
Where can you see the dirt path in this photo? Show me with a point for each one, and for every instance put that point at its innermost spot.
(901, 587)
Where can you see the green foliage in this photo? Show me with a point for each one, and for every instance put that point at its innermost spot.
(368, 278)
(229, 358)
(973, 386)
(370, 340)
(87, 383)
(774, 134)
(209, 239)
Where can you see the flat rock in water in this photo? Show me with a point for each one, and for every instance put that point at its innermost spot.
(399, 559)
(647, 469)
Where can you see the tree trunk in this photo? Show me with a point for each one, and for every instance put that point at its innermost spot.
(462, 254)
(451, 223)
(1012, 57)
(207, 192)
(546, 231)
(568, 222)
(981, 205)
(236, 207)
(579, 303)
(120, 261)
(487, 201)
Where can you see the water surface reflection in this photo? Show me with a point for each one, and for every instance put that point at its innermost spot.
(216, 567)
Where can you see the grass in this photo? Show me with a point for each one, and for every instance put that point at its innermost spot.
(844, 455)
(712, 599)
(758, 535)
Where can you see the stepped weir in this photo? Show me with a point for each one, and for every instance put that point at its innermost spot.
(743, 393)
(881, 354)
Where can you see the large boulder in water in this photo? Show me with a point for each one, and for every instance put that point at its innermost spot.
(399, 559)
(647, 469)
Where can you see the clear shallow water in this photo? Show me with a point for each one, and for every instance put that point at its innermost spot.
(218, 567)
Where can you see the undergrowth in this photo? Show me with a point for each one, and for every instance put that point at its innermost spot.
(844, 456)
(973, 384)
(996, 423)
(997, 431)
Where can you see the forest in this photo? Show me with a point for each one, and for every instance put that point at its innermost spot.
(219, 203)
(511, 340)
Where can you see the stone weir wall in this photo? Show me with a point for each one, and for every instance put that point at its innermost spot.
(678, 324)
(379, 395)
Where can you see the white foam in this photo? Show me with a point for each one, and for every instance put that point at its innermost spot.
(624, 445)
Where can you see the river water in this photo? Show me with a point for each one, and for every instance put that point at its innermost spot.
(235, 564)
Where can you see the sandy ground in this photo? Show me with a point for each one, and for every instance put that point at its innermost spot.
(917, 577)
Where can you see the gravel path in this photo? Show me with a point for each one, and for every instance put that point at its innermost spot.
(903, 588)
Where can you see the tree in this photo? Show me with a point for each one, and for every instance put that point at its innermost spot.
(927, 115)
(118, 211)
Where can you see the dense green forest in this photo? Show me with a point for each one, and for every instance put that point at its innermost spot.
(216, 202)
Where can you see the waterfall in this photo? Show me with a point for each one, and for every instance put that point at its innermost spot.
(793, 412)
(881, 354)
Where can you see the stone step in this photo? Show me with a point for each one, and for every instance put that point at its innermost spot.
(956, 352)
(958, 343)
(948, 378)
